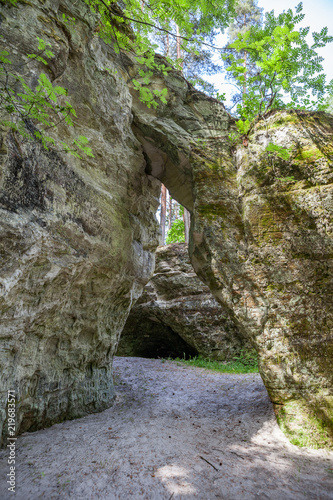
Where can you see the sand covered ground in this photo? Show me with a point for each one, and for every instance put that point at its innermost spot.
(174, 432)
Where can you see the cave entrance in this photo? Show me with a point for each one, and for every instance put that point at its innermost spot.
(152, 339)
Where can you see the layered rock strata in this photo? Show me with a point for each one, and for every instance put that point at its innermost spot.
(178, 316)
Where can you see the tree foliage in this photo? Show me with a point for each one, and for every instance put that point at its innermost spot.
(199, 60)
(33, 112)
(136, 27)
(273, 65)
(247, 14)
(329, 103)
(289, 71)
(176, 233)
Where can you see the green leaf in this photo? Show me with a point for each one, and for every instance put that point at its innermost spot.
(279, 151)
(3, 58)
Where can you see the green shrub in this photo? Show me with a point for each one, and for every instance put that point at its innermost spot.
(176, 233)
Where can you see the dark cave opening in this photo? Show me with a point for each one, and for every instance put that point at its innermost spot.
(153, 339)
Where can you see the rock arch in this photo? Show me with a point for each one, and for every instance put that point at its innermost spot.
(261, 235)
(177, 315)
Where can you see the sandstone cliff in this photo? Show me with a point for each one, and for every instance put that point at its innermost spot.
(177, 314)
(77, 237)
(261, 237)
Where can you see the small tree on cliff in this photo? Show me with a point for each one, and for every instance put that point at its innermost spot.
(289, 72)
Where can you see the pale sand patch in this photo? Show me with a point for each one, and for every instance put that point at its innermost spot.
(174, 432)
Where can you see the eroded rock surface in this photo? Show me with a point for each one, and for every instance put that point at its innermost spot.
(287, 208)
(76, 237)
(177, 314)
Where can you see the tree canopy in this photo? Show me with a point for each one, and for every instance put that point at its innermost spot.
(272, 64)
(247, 14)
(289, 71)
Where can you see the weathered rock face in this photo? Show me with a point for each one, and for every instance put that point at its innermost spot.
(76, 237)
(178, 315)
(287, 209)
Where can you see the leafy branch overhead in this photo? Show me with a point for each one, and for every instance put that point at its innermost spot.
(138, 25)
(33, 112)
(271, 63)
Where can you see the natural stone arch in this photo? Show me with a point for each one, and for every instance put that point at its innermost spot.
(261, 234)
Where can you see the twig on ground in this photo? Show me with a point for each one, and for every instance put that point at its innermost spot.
(208, 462)
(240, 456)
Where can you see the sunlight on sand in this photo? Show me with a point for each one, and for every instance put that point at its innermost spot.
(174, 479)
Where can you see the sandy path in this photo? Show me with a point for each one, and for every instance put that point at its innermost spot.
(174, 432)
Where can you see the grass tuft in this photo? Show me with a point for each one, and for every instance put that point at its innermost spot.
(246, 362)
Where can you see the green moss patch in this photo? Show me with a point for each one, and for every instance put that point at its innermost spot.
(280, 120)
(307, 424)
(213, 210)
(309, 155)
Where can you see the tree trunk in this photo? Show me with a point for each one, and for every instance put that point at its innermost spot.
(245, 74)
(163, 213)
(167, 45)
(187, 220)
(245, 64)
(179, 51)
(175, 205)
(170, 211)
